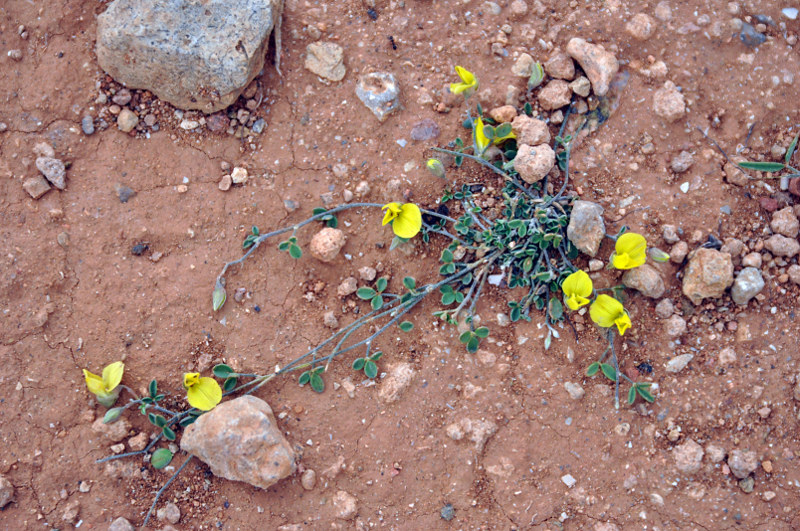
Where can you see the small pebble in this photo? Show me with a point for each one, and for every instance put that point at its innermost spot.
(123, 192)
(87, 125)
(225, 183)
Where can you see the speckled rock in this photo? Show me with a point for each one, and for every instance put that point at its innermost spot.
(326, 59)
(53, 170)
(688, 457)
(675, 326)
(345, 505)
(530, 131)
(195, 55)
(747, 285)
(398, 380)
(6, 491)
(708, 275)
(742, 462)
(114, 432)
(326, 244)
(668, 102)
(560, 66)
(240, 440)
(586, 227)
(641, 26)
(121, 524)
(782, 246)
(554, 95)
(600, 65)
(785, 222)
(380, 92)
(646, 280)
(534, 162)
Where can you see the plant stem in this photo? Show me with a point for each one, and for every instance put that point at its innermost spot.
(162, 489)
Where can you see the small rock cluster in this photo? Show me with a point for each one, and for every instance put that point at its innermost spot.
(52, 171)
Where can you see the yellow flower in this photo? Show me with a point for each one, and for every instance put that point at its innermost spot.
(203, 393)
(106, 387)
(469, 83)
(630, 251)
(577, 289)
(607, 311)
(480, 138)
(406, 219)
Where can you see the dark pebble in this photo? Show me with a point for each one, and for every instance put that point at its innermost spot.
(139, 249)
(258, 126)
(124, 193)
(87, 124)
(425, 129)
(448, 512)
(750, 36)
(257, 308)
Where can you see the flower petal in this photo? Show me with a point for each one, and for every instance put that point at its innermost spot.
(190, 379)
(466, 76)
(205, 394)
(480, 138)
(623, 322)
(630, 251)
(605, 310)
(112, 375)
(575, 301)
(392, 211)
(94, 382)
(409, 222)
(578, 283)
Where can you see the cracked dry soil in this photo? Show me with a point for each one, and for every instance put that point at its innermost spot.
(72, 295)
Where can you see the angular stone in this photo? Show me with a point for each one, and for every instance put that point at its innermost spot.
(678, 363)
(192, 54)
(53, 170)
(36, 186)
(127, 120)
(646, 280)
(747, 285)
(326, 244)
(742, 462)
(530, 131)
(708, 275)
(785, 222)
(560, 66)
(586, 227)
(668, 102)
(555, 94)
(599, 64)
(115, 432)
(345, 505)
(522, 67)
(675, 325)
(782, 246)
(240, 440)
(6, 491)
(326, 59)
(380, 92)
(121, 524)
(399, 378)
(534, 162)
(688, 457)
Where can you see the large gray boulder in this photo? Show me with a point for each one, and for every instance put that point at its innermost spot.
(195, 54)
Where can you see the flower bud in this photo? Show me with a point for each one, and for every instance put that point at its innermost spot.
(112, 415)
(436, 167)
(658, 255)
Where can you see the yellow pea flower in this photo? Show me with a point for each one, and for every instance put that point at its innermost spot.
(607, 311)
(406, 219)
(106, 387)
(480, 138)
(577, 289)
(469, 83)
(202, 393)
(630, 251)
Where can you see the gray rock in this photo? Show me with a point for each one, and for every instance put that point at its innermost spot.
(586, 227)
(742, 462)
(380, 92)
(575, 391)
(688, 457)
(675, 326)
(326, 59)
(682, 162)
(600, 65)
(646, 280)
(124, 193)
(6, 491)
(87, 125)
(194, 55)
(750, 36)
(664, 308)
(747, 285)
(121, 524)
(53, 170)
(678, 363)
(715, 453)
(240, 440)
(258, 126)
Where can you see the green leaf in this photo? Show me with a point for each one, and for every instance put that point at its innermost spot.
(448, 298)
(229, 383)
(482, 332)
(410, 283)
(465, 336)
(447, 256)
(548, 340)
(790, 151)
(479, 109)
(317, 384)
(295, 251)
(608, 371)
(159, 421)
(168, 433)
(255, 231)
(222, 370)
(371, 369)
(381, 284)
(152, 418)
(376, 302)
(112, 415)
(218, 297)
(632, 394)
(592, 369)
(365, 293)
(284, 245)
(358, 364)
(644, 392)
(153, 388)
(537, 75)
(762, 166)
(304, 378)
(472, 345)
(503, 130)
(376, 356)
(185, 421)
(318, 210)
(489, 132)
(333, 222)
(515, 314)
(556, 309)
(406, 326)
(160, 458)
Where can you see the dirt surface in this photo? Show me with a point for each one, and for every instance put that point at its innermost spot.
(74, 296)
